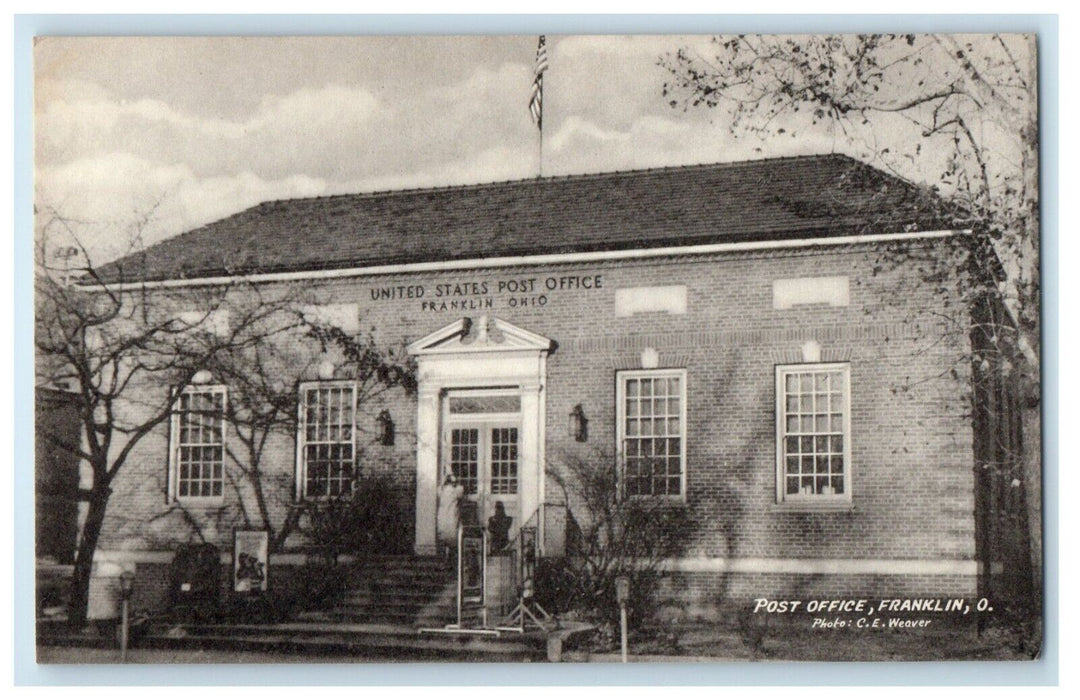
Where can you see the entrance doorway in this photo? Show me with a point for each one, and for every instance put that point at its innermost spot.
(481, 445)
(484, 378)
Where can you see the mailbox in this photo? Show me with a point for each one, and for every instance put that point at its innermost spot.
(195, 582)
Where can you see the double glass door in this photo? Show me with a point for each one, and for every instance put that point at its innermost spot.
(484, 458)
(481, 439)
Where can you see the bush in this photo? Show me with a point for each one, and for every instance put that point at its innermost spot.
(258, 608)
(314, 585)
(368, 521)
(612, 536)
(320, 584)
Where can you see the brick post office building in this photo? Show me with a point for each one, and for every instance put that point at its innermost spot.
(731, 336)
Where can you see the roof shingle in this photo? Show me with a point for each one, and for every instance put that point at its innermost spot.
(775, 199)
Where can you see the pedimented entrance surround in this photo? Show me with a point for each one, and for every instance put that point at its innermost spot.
(482, 353)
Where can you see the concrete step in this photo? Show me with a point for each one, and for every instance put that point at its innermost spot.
(368, 640)
(394, 608)
(403, 572)
(401, 558)
(403, 587)
(399, 589)
(398, 563)
(411, 620)
(403, 596)
(403, 569)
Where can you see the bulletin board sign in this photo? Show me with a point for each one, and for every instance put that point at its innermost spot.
(471, 565)
(251, 560)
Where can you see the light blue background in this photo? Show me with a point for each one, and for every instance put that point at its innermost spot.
(27, 672)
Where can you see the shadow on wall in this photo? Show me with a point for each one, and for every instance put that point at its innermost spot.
(609, 535)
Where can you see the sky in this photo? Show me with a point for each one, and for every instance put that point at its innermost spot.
(161, 135)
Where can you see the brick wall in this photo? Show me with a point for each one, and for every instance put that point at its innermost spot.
(911, 436)
(731, 596)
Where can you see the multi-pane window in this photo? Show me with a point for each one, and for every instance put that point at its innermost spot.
(468, 447)
(813, 432)
(465, 457)
(327, 449)
(504, 460)
(652, 428)
(198, 456)
(485, 403)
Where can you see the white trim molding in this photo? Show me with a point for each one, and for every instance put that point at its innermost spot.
(814, 498)
(166, 556)
(719, 565)
(484, 353)
(174, 466)
(301, 466)
(621, 432)
(522, 260)
(762, 565)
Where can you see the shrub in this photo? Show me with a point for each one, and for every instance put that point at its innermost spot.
(611, 536)
(370, 520)
(319, 584)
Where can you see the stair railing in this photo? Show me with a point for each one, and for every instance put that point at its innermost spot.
(519, 586)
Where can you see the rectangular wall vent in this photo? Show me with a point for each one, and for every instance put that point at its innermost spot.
(811, 290)
(638, 300)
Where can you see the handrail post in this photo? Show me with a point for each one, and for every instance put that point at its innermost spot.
(540, 528)
(460, 536)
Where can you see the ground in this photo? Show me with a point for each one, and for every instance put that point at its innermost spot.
(708, 641)
(81, 655)
(686, 642)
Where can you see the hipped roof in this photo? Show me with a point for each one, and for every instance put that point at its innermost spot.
(774, 199)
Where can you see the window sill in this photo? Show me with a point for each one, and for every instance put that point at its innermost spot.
(321, 500)
(671, 500)
(811, 507)
(200, 501)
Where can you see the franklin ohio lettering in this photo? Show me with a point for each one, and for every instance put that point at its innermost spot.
(470, 295)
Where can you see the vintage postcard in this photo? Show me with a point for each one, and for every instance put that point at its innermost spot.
(548, 348)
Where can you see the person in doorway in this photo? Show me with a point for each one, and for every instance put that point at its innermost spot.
(449, 515)
(499, 528)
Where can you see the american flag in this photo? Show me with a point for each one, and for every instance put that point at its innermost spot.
(536, 102)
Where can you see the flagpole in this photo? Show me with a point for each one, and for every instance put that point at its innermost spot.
(536, 102)
(540, 141)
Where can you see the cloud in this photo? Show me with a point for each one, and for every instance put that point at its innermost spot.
(301, 125)
(334, 132)
(113, 198)
(649, 46)
(110, 161)
(650, 141)
(110, 193)
(48, 91)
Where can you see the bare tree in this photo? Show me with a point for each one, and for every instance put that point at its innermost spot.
(122, 350)
(263, 381)
(954, 113)
(613, 534)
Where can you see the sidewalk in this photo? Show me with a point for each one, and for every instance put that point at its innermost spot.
(76, 655)
(585, 657)
(82, 655)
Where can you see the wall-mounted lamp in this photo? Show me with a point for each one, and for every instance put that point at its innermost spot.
(579, 424)
(386, 428)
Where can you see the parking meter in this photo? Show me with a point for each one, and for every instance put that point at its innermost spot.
(622, 596)
(127, 585)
